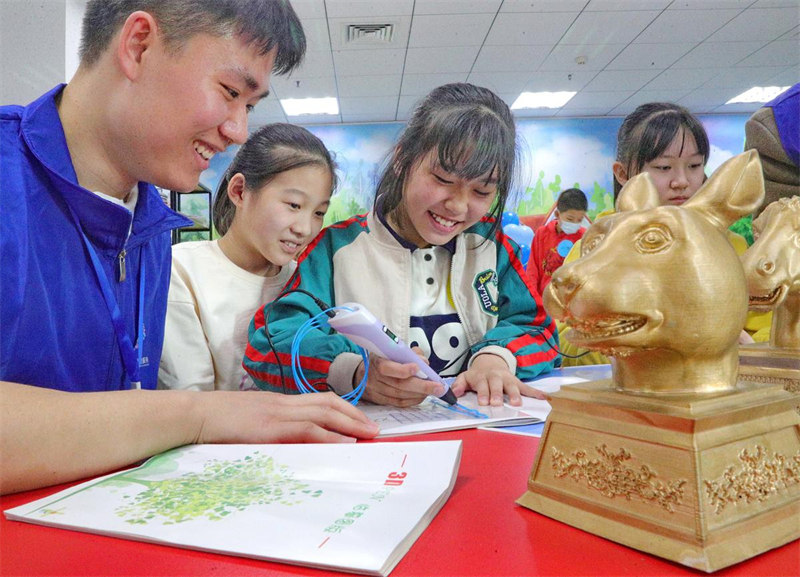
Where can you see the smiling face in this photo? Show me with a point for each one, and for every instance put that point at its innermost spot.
(184, 107)
(438, 205)
(677, 173)
(272, 225)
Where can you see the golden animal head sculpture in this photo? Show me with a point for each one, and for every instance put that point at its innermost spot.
(660, 289)
(772, 267)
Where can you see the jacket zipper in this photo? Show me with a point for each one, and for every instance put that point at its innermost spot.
(122, 267)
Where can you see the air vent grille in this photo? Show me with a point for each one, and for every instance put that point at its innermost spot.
(369, 33)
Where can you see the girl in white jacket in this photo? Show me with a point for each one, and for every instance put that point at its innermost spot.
(268, 206)
(430, 261)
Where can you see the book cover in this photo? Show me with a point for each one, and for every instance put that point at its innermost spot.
(349, 507)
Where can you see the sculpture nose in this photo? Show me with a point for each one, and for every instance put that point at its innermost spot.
(564, 284)
(766, 266)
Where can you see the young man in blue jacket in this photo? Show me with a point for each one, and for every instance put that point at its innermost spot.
(162, 86)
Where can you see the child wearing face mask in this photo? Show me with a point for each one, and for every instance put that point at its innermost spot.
(268, 206)
(669, 143)
(553, 241)
(431, 262)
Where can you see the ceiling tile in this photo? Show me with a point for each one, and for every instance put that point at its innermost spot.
(707, 97)
(608, 99)
(717, 54)
(606, 27)
(309, 9)
(559, 80)
(376, 105)
(785, 52)
(523, 28)
(316, 30)
(456, 6)
(368, 8)
(312, 87)
(645, 96)
(510, 82)
(709, 4)
(449, 30)
(574, 6)
(314, 64)
(369, 86)
(689, 26)
(510, 58)
(688, 78)
(421, 84)
(644, 56)
(354, 62)
(757, 24)
(743, 77)
(626, 5)
(440, 59)
(596, 56)
(787, 77)
(620, 80)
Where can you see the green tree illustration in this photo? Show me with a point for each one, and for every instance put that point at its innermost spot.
(221, 488)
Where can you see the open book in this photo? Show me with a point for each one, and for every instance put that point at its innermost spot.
(434, 415)
(350, 507)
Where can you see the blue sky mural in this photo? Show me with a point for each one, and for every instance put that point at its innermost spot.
(554, 154)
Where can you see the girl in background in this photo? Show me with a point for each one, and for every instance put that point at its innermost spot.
(431, 262)
(669, 143)
(269, 205)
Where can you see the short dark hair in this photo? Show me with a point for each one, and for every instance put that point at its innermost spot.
(266, 23)
(270, 150)
(473, 133)
(572, 199)
(649, 130)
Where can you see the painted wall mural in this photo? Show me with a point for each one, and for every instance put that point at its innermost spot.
(554, 154)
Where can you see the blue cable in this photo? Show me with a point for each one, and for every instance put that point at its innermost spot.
(320, 322)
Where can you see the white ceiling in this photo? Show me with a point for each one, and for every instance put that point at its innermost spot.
(699, 53)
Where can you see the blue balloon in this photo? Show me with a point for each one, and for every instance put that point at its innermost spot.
(522, 234)
(509, 217)
(524, 254)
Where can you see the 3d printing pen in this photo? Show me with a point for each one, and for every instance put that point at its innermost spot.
(361, 327)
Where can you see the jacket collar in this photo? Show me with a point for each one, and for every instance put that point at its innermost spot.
(450, 245)
(105, 223)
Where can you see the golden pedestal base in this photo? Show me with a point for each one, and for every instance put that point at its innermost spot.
(761, 363)
(706, 482)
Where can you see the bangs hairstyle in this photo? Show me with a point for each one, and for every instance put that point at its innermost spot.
(267, 24)
(472, 131)
(270, 150)
(649, 130)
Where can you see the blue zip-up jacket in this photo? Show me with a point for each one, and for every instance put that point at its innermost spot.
(55, 327)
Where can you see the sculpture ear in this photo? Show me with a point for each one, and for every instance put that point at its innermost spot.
(639, 193)
(736, 189)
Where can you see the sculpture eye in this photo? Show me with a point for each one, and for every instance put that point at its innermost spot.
(589, 244)
(654, 239)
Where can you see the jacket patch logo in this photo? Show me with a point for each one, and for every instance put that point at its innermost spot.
(485, 285)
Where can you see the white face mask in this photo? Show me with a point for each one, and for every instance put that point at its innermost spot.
(569, 227)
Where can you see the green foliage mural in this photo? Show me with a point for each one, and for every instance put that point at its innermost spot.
(556, 153)
(221, 488)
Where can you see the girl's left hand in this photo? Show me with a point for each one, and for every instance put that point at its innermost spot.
(490, 377)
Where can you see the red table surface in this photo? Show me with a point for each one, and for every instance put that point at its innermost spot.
(479, 531)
